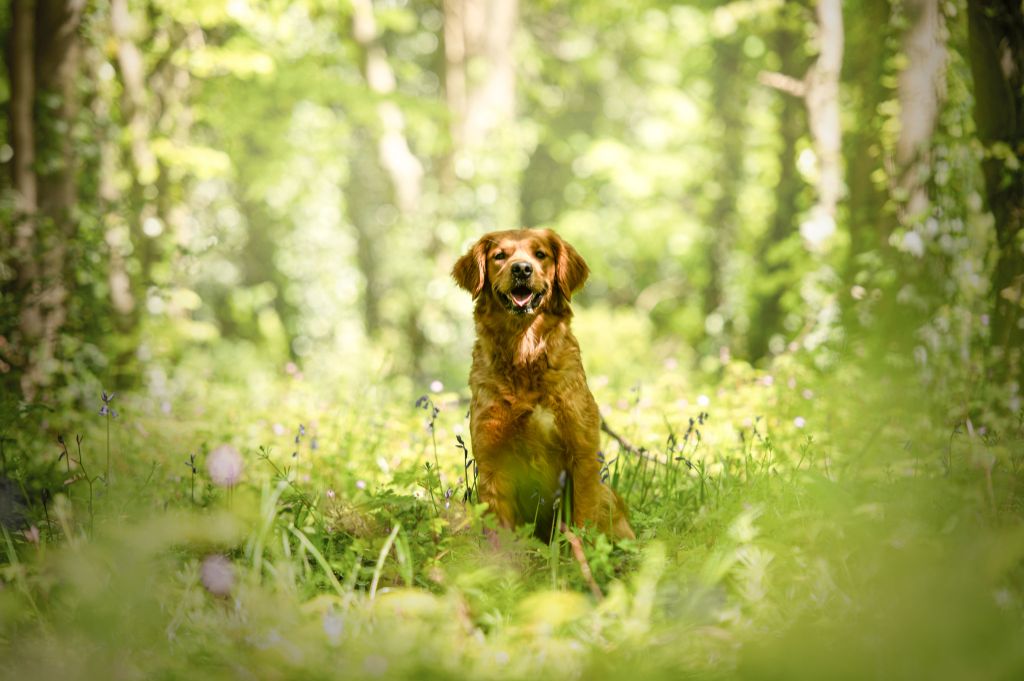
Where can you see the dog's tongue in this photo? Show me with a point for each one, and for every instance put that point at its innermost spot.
(522, 297)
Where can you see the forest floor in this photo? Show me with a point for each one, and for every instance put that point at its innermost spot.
(788, 527)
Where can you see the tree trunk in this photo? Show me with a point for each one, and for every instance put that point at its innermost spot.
(768, 316)
(728, 102)
(402, 166)
(996, 44)
(822, 99)
(44, 60)
(819, 89)
(869, 225)
(921, 88)
(21, 63)
(480, 86)
(367, 190)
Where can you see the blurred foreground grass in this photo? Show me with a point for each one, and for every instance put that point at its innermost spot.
(789, 527)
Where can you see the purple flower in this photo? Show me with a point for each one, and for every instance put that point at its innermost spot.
(225, 466)
(217, 574)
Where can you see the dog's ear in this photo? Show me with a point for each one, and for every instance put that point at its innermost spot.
(571, 270)
(470, 270)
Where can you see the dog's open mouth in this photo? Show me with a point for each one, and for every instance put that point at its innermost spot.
(522, 298)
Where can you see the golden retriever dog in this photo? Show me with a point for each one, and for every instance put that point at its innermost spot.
(533, 422)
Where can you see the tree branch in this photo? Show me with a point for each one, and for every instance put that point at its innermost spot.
(783, 83)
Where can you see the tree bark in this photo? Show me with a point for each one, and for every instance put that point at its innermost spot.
(823, 118)
(996, 44)
(869, 226)
(23, 89)
(367, 189)
(768, 316)
(44, 60)
(480, 87)
(921, 89)
(728, 102)
(402, 166)
(819, 90)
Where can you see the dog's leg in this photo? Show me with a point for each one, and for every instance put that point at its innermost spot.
(496, 488)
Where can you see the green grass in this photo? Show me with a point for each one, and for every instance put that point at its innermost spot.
(804, 528)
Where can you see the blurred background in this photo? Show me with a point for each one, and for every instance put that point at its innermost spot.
(252, 187)
(804, 321)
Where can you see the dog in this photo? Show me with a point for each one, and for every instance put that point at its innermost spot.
(534, 424)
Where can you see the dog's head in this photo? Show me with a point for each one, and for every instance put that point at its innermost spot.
(524, 270)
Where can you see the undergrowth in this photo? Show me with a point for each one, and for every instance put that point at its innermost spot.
(780, 535)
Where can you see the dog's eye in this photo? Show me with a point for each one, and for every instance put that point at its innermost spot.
(541, 255)
(500, 256)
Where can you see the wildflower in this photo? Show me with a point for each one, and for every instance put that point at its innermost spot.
(225, 466)
(106, 409)
(913, 244)
(360, 484)
(808, 394)
(330, 494)
(278, 429)
(436, 386)
(703, 400)
(217, 574)
(32, 535)
(799, 422)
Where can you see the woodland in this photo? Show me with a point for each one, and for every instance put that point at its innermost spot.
(234, 439)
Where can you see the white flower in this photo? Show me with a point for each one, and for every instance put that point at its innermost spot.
(703, 400)
(913, 244)
(217, 574)
(225, 466)
(799, 422)
(436, 386)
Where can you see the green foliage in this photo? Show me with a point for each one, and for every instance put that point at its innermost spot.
(826, 449)
(768, 542)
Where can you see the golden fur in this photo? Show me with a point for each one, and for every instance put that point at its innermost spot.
(532, 415)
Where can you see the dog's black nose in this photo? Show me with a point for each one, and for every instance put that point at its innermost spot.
(522, 269)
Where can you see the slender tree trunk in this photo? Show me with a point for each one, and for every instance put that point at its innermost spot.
(23, 89)
(124, 289)
(728, 102)
(822, 99)
(480, 87)
(996, 44)
(819, 89)
(869, 225)
(921, 88)
(367, 190)
(402, 166)
(768, 317)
